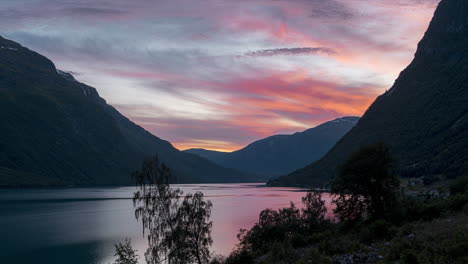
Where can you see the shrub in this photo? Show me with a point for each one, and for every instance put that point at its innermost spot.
(313, 256)
(314, 210)
(381, 229)
(282, 251)
(365, 186)
(459, 186)
(218, 259)
(240, 257)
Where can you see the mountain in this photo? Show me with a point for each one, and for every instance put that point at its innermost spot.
(281, 154)
(58, 131)
(423, 117)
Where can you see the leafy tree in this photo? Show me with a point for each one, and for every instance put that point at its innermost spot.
(314, 209)
(283, 226)
(364, 185)
(289, 217)
(194, 218)
(125, 253)
(178, 232)
(272, 226)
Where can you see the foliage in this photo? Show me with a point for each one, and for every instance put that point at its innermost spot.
(312, 256)
(438, 244)
(282, 228)
(194, 215)
(314, 209)
(240, 256)
(459, 186)
(272, 226)
(178, 232)
(365, 186)
(420, 235)
(125, 253)
(218, 259)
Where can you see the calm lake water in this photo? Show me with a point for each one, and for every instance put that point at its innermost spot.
(81, 225)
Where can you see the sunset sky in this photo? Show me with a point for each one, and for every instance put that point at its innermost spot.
(219, 74)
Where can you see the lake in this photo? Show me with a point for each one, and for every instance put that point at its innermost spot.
(81, 225)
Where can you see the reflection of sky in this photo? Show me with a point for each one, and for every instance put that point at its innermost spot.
(219, 74)
(60, 220)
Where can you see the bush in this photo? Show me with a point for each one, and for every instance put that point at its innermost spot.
(218, 259)
(282, 251)
(240, 257)
(459, 186)
(273, 226)
(339, 245)
(365, 187)
(381, 229)
(458, 201)
(313, 256)
(443, 248)
(298, 240)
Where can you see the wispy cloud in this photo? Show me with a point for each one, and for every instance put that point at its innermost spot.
(93, 11)
(290, 51)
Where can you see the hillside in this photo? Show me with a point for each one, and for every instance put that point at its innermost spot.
(58, 131)
(281, 154)
(423, 117)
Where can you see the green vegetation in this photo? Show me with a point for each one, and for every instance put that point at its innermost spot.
(365, 185)
(378, 222)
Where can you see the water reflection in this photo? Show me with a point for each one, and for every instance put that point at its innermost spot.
(81, 225)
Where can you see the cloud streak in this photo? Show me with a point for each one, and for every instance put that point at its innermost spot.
(290, 51)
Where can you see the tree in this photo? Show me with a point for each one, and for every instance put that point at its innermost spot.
(364, 185)
(194, 218)
(178, 232)
(314, 209)
(125, 253)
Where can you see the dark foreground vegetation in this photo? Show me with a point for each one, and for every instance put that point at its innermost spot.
(376, 222)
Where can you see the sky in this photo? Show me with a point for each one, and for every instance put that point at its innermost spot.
(220, 74)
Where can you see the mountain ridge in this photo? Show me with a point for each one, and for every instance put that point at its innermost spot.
(278, 154)
(58, 131)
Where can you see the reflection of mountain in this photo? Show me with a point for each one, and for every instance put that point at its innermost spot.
(56, 130)
(424, 116)
(280, 154)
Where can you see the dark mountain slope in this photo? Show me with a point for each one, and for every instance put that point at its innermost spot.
(424, 117)
(280, 154)
(58, 131)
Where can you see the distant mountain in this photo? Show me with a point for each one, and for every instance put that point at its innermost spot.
(424, 116)
(281, 154)
(58, 131)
